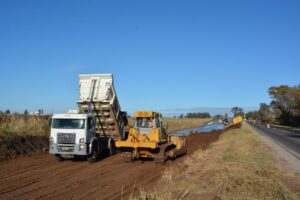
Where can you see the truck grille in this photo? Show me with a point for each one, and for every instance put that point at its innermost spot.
(66, 138)
(65, 149)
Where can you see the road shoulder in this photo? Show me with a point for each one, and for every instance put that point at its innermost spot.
(285, 157)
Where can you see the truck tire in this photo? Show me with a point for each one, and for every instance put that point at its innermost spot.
(123, 131)
(94, 155)
(112, 147)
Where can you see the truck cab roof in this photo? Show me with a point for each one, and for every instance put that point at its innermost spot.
(71, 116)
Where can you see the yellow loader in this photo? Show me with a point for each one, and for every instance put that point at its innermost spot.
(148, 139)
(236, 121)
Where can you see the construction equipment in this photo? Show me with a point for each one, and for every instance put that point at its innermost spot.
(92, 132)
(231, 122)
(148, 139)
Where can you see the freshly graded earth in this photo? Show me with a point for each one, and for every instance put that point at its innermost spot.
(40, 176)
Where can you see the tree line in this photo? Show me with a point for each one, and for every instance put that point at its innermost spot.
(8, 112)
(284, 109)
(196, 115)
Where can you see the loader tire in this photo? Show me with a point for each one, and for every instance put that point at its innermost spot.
(127, 157)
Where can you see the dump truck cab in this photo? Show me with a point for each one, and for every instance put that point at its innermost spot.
(71, 135)
(148, 139)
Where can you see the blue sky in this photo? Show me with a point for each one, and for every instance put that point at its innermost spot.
(189, 55)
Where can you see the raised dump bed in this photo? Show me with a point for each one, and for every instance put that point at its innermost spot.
(97, 90)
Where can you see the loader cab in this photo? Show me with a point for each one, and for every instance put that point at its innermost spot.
(145, 122)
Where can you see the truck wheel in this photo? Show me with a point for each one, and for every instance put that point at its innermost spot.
(58, 158)
(123, 131)
(94, 156)
(112, 147)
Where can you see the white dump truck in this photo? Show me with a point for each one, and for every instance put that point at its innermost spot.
(91, 132)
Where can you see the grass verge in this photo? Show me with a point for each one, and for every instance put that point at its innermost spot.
(238, 166)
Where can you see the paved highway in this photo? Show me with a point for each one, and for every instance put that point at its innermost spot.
(288, 139)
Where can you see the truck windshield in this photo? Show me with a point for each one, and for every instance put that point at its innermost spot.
(144, 122)
(68, 123)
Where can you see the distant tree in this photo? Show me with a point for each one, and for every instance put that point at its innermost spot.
(264, 113)
(174, 117)
(237, 111)
(198, 115)
(252, 115)
(217, 117)
(7, 111)
(226, 116)
(286, 104)
(25, 112)
(181, 116)
(40, 111)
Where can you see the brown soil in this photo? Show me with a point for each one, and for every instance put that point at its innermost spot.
(41, 177)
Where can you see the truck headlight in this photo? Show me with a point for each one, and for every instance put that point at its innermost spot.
(81, 140)
(81, 147)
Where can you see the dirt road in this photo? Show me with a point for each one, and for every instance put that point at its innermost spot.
(40, 177)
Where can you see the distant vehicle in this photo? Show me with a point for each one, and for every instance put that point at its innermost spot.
(92, 132)
(236, 121)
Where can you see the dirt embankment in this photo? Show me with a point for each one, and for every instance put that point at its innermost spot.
(22, 146)
(40, 177)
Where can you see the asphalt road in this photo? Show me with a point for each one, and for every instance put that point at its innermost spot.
(288, 139)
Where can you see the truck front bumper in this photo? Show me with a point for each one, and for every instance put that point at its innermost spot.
(69, 149)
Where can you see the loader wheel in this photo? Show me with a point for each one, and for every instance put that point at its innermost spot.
(161, 157)
(127, 157)
(94, 156)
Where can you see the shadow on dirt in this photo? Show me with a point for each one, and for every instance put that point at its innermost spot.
(22, 146)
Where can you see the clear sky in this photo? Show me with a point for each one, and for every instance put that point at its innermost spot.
(164, 55)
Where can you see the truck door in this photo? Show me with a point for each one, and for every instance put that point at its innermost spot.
(91, 131)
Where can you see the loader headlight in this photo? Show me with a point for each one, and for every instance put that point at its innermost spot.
(81, 147)
(81, 140)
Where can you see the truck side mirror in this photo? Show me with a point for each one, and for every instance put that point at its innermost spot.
(50, 122)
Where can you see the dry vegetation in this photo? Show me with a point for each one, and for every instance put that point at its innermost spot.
(176, 124)
(23, 125)
(238, 166)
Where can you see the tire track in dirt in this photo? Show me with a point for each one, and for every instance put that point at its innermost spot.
(40, 177)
